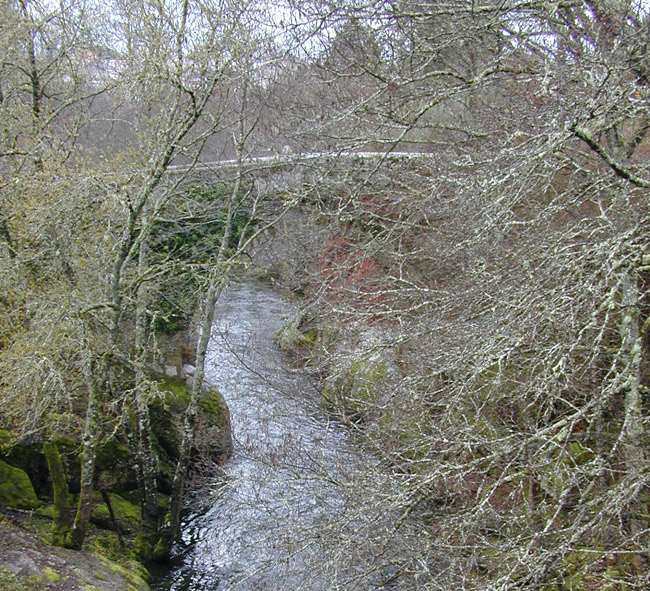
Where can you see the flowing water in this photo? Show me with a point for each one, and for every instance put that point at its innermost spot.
(293, 510)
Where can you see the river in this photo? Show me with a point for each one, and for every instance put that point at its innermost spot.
(298, 505)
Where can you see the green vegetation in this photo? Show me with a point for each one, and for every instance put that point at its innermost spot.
(188, 243)
(50, 574)
(126, 513)
(16, 489)
(9, 581)
(61, 521)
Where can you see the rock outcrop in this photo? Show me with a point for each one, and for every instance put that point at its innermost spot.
(27, 563)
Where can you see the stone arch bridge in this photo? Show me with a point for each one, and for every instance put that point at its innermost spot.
(274, 175)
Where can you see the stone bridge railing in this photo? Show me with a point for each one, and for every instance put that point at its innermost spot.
(293, 172)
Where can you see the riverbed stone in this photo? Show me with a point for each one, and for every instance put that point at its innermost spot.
(291, 339)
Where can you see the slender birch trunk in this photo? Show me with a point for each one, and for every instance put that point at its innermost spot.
(145, 461)
(632, 432)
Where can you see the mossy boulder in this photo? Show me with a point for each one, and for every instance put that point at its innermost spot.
(113, 463)
(27, 454)
(291, 339)
(113, 469)
(356, 386)
(29, 564)
(213, 436)
(134, 573)
(16, 488)
(114, 466)
(126, 513)
(166, 418)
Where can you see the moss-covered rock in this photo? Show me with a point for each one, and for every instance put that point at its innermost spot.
(213, 438)
(166, 418)
(113, 469)
(51, 575)
(114, 466)
(126, 513)
(16, 489)
(12, 582)
(27, 454)
(214, 435)
(28, 564)
(133, 573)
(356, 386)
(291, 339)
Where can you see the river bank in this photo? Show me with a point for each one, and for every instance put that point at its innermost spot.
(28, 563)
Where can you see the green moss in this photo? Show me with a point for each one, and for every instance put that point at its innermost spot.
(114, 466)
(177, 396)
(355, 388)
(213, 426)
(166, 422)
(175, 392)
(48, 511)
(126, 513)
(50, 574)
(105, 543)
(16, 489)
(160, 552)
(6, 440)
(112, 452)
(213, 403)
(580, 454)
(290, 339)
(134, 573)
(69, 444)
(62, 500)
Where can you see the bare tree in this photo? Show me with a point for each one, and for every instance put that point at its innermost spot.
(490, 298)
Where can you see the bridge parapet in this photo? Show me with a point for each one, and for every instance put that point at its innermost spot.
(296, 172)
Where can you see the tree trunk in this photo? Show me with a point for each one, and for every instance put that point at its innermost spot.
(116, 524)
(88, 460)
(62, 501)
(146, 465)
(218, 279)
(170, 527)
(632, 432)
